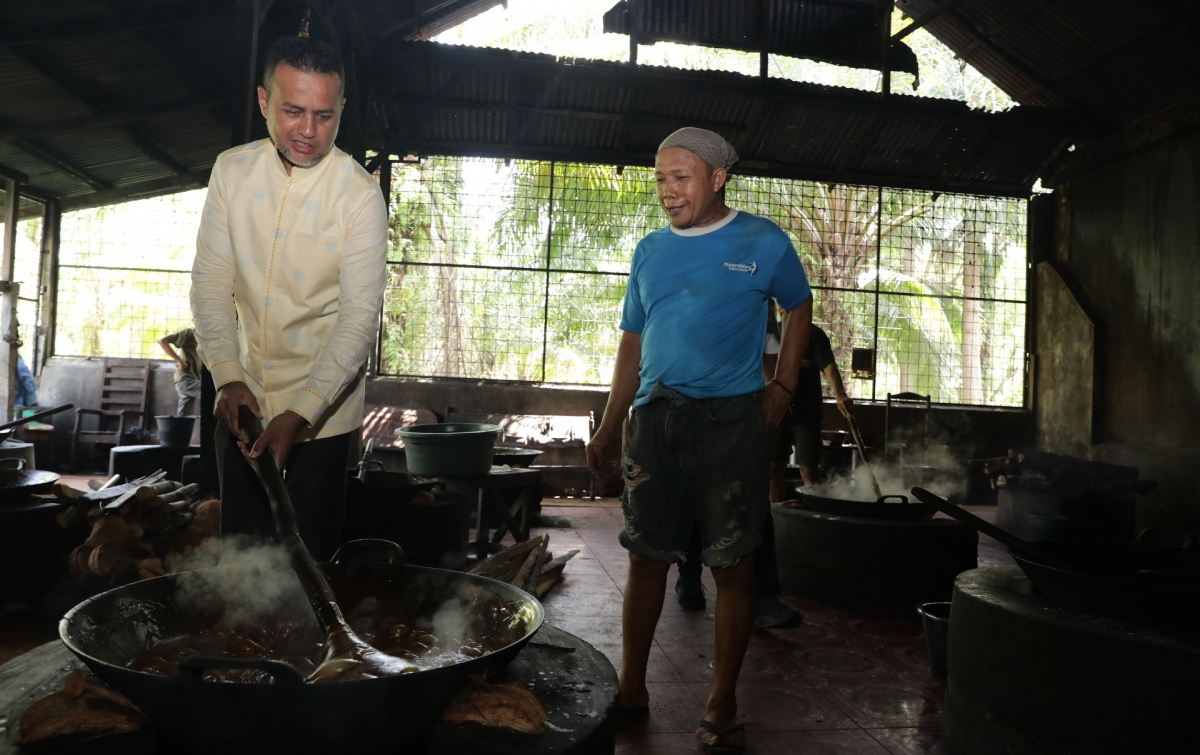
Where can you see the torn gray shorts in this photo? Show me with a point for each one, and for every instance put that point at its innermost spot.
(699, 461)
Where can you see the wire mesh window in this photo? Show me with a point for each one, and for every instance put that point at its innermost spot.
(517, 271)
(124, 276)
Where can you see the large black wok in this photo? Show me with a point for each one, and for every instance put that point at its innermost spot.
(885, 507)
(1134, 580)
(18, 483)
(382, 715)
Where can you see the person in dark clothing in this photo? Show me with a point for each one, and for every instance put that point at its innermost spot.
(806, 411)
(182, 349)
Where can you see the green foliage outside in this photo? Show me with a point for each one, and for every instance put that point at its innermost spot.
(491, 264)
(124, 276)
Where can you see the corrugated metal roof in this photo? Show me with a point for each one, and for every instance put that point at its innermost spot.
(65, 61)
(1111, 61)
(456, 100)
(136, 95)
(844, 32)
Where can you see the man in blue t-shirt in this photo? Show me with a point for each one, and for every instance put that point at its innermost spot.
(696, 446)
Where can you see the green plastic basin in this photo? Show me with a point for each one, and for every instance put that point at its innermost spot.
(449, 449)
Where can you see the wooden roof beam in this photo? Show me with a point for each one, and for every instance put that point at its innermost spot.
(1105, 54)
(920, 21)
(112, 118)
(1028, 73)
(79, 92)
(89, 27)
(144, 190)
(425, 22)
(1004, 25)
(51, 158)
(596, 115)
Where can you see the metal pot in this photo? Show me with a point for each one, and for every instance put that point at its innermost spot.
(884, 507)
(515, 457)
(384, 715)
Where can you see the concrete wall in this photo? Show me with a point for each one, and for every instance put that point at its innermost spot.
(1130, 238)
(77, 381)
(1064, 370)
(970, 432)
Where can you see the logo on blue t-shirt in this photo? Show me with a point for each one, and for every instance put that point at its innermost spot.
(741, 267)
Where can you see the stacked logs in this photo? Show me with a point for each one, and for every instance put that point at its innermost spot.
(526, 565)
(144, 532)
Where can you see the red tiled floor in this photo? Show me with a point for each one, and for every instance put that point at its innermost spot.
(784, 706)
(911, 741)
(695, 664)
(658, 669)
(884, 702)
(842, 742)
(846, 681)
(673, 707)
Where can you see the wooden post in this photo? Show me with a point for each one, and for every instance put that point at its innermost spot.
(245, 87)
(8, 298)
(48, 287)
(885, 52)
(764, 46)
(635, 27)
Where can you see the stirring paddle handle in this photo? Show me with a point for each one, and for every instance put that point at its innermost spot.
(991, 530)
(862, 453)
(320, 596)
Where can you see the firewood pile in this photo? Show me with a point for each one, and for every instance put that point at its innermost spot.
(526, 565)
(145, 528)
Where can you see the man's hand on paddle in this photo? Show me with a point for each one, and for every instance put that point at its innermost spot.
(229, 397)
(278, 438)
(279, 435)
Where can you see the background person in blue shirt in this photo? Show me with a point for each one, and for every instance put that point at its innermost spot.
(697, 443)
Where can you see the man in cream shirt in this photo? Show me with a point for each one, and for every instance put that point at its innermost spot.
(286, 291)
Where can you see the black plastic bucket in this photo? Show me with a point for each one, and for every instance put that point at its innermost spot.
(935, 619)
(175, 432)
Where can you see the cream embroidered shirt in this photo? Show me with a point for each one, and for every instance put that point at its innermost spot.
(288, 282)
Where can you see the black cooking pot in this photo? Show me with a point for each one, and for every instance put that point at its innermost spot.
(387, 715)
(885, 507)
(1132, 580)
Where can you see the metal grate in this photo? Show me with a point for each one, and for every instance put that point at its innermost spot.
(124, 276)
(517, 271)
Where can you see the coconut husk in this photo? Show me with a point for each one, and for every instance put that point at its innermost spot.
(107, 560)
(112, 530)
(500, 706)
(82, 709)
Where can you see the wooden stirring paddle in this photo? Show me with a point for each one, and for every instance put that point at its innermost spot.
(347, 656)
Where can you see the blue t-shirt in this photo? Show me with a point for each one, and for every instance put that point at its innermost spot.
(699, 299)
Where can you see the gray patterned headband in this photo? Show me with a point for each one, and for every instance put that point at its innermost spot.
(708, 145)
